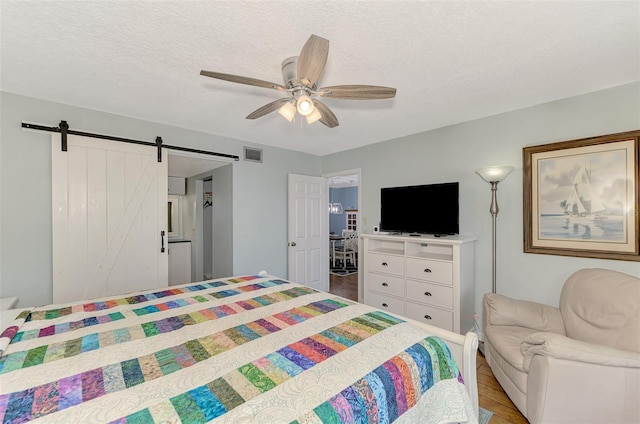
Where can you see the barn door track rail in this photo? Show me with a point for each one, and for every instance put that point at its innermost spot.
(63, 129)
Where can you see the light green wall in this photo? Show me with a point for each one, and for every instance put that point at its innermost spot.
(259, 191)
(454, 153)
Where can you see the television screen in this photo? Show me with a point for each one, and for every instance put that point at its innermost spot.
(423, 209)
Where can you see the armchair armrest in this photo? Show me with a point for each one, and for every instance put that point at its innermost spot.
(562, 347)
(502, 310)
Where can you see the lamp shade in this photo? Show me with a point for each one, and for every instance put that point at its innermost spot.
(314, 116)
(494, 174)
(288, 111)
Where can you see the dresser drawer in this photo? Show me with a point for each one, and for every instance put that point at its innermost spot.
(430, 315)
(385, 303)
(425, 269)
(386, 284)
(430, 294)
(386, 263)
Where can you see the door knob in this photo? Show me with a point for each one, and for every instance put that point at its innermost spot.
(293, 243)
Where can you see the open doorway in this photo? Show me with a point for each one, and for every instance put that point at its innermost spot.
(192, 250)
(344, 226)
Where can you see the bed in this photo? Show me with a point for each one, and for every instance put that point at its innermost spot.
(243, 349)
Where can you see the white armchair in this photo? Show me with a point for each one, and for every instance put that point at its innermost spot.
(579, 363)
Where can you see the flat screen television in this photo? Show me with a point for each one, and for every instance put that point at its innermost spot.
(420, 209)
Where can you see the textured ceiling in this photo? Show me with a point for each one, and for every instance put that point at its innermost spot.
(450, 61)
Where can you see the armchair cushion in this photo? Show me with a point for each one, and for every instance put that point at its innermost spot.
(503, 310)
(602, 306)
(562, 347)
(511, 336)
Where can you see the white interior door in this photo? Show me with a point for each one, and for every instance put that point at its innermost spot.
(308, 232)
(109, 208)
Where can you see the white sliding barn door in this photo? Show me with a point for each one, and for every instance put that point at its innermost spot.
(308, 232)
(109, 208)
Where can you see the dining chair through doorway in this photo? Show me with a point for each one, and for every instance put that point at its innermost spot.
(347, 251)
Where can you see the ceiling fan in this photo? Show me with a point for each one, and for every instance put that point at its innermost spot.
(301, 74)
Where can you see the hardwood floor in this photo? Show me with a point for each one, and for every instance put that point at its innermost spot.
(346, 286)
(492, 397)
(490, 393)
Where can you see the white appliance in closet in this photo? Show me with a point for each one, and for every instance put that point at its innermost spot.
(179, 262)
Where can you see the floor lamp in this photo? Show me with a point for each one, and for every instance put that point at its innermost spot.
(493, 175)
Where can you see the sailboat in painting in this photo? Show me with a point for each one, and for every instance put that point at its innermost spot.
(582, 201)
(582, 208)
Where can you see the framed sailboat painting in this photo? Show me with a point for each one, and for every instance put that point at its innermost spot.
(581, 197)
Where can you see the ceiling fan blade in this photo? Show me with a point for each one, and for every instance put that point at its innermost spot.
(268, 108)
(243, 80)
(312, 59)
(328, 118)
(357, 92)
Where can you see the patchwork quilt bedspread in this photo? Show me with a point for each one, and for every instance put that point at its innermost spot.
(247, 349)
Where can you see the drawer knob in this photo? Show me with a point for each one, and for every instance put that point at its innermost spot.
(384, 264)
(385, 285)
(385, 305)
(427, 293)
(427, 316)
(427, 270)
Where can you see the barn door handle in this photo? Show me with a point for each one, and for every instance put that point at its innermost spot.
(162, 237)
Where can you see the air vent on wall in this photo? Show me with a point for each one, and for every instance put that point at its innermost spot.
(253, 155)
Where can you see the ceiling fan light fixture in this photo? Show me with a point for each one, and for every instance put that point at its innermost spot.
(301, 74)
(288, 111)
(304, 105)
(314, 116)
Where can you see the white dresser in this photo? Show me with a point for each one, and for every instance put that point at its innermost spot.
(429, 279)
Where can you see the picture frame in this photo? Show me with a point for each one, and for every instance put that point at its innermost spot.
(580, 197)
